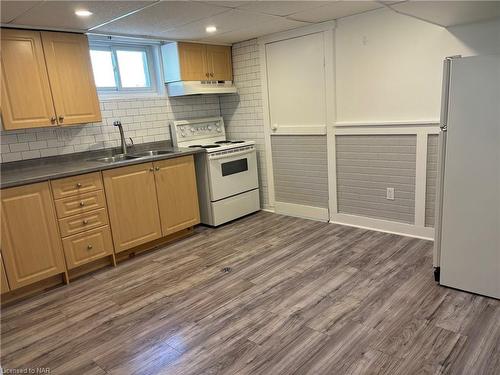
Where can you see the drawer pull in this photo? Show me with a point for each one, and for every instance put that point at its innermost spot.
(82, 203)
(89, 246)
(85, 221)
(78, 185)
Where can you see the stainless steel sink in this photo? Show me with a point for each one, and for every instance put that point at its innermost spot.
(152, 153)
(116, 158)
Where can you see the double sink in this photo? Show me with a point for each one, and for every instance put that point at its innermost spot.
(140, 155)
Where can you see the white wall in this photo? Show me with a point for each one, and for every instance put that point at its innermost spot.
(389, 66)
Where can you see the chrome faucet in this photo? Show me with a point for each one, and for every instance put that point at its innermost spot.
(122, 136)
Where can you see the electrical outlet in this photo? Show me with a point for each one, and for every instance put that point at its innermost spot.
(390, 194)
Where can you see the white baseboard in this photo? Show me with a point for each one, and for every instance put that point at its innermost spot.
(299, 210)
(383, 226)
(268, 210)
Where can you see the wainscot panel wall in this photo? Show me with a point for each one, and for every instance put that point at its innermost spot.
(300, 169)
(243, 112)
(430, 189)
(366, 166)
(143, 119)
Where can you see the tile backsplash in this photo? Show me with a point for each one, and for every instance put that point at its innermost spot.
(143, 119)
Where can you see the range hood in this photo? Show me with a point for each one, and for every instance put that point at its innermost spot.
(184, 88)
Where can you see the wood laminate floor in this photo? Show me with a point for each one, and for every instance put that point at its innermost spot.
(303, 297)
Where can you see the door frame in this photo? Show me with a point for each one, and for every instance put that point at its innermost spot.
(327, 129)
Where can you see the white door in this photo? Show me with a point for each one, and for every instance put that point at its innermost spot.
(297, 89)
(470, 240)
(296, 82)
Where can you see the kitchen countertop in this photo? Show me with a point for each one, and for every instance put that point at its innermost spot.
(36, 170)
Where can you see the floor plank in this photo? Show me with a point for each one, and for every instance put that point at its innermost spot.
(302, 297)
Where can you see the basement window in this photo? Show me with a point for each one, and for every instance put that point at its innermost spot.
(121, 68)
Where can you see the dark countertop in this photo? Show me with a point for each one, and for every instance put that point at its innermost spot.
(36, 170)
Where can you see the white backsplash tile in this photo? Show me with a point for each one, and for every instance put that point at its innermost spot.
(143, 119)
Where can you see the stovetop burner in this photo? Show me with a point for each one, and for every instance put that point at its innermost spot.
(205, 146)
(227, 142)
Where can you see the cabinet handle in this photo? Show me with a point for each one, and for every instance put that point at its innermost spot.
(53, 119)
(85, 221)
(151, 169)
(157, 168)
(61, 117)
(206, 74)
(82, 203)
(89, 246)
(78, 185)
(211, 74)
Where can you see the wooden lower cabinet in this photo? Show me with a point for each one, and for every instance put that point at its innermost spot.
(4, 286)
(85, 247)
(31, 246)
(132, 205)
(177, 194)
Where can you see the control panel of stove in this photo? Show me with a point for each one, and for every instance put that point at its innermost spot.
(199, 129)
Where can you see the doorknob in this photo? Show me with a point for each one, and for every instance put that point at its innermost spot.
(274, 127)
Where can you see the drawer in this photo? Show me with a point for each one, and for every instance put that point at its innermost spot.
(87, 246)
(81, 203)
(84, 183)
(82, 222)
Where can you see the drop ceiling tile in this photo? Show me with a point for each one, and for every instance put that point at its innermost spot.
(228, 21)
(268, 27)
(449, 13)
(13, 9)
(334, 10)
(161, 16)
(61, 14)
(281, 8)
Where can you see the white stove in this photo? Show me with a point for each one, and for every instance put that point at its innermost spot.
(226, 172)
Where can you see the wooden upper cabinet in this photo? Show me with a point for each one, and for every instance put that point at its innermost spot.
(4, 283)
(26, 95)
(47, 80)
(177, 194)
(196, 62)
(132, 205)
(31, 246)
(192, 61)
(219, 63)
(71, 77)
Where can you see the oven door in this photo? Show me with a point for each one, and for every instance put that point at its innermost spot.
(232, 172)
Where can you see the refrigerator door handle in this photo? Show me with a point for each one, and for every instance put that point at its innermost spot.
(446, 92)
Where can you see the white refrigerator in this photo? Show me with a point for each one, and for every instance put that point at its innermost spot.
(467, 243)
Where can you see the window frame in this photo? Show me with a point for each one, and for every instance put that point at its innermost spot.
(150, 67)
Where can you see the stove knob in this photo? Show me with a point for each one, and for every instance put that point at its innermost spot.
(218, 129)
(209, 127)
(183, 134)
(193, 130)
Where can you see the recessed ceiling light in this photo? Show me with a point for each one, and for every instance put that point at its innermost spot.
(211, 29)
(83, 13)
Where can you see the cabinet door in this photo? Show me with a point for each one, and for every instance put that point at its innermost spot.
(219, 63)
(26, 96)
(71, 78)
(31, 246)
(192, 61)
(5, 284)
(177, 194)
(132, 205)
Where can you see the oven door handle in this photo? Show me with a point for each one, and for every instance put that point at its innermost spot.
(231, 154)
